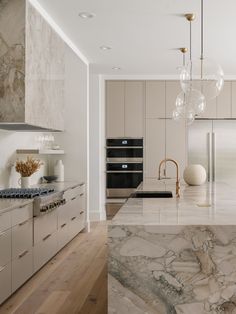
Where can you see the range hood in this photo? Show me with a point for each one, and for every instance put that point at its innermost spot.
(32, 70)
(21, 127)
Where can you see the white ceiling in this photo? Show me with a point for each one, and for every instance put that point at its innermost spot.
(144, 34)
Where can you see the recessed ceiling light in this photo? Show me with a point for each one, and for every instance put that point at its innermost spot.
(86, 15)
(116, 68)
(105, 48)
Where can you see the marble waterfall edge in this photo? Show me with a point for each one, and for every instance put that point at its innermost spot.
(172, 269)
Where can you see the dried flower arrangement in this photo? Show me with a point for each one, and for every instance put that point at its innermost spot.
(28, 167)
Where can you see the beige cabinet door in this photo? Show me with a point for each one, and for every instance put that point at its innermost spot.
(115, 108)
(134, 108)
(233, 99)
(155, 99)
(173, 89)
(175, 146)
(223, 102)
(155, 146)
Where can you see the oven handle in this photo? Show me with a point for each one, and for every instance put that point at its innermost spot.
(122, 147)
(120, 171)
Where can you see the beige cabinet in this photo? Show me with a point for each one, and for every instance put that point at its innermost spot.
(173, 89)
(124, 108)
(115, 108)
(223, 102)
(175, 146)
(134, 108)
(155, 146)
(5, 280)
(234, 100)
(155, 99)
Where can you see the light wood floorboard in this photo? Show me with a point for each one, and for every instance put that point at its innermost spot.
(73, 282)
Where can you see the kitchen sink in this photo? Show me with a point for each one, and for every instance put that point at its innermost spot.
(152, 194)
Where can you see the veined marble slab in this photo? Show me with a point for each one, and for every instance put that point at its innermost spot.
(211, 204)
(172, 269)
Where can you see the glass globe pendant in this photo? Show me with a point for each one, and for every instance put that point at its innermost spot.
(204, 75)
(193, 99)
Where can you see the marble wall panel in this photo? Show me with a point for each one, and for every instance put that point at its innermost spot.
(45, 73)
(12, 60)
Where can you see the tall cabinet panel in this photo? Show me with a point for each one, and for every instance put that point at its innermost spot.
(115, 108)
(155, 99)
(155, 146)
(134, 109)
(175, 146)
(173, 89)
(224, 102)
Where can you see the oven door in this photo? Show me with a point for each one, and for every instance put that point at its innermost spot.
(123, 183)
(126, 154)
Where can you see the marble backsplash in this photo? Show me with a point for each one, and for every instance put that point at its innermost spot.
(172, 269)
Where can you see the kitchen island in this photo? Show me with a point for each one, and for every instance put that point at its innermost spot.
(174, 255)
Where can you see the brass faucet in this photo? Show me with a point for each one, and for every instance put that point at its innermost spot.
(177, 173)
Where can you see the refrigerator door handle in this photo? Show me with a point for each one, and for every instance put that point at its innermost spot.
(209, 155)
(213, 156)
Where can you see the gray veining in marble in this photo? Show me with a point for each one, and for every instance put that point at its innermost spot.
(188, 269)
(32, 67)
(12, 60)
(174, 256)
(45, 73)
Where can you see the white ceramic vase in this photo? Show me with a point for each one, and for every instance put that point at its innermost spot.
(24, 182)
(59, 170)
(195, 175)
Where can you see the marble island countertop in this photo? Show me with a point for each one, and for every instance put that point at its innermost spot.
(10, 204)
(211, 204)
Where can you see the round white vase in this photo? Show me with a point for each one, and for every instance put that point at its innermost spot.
(195, 175)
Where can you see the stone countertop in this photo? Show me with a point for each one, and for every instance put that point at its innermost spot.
(209, 204)
(10, 204)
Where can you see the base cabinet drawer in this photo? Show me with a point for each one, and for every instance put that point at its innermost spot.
(22, 237)
(45, 250)
(76, 225)
(44, 225)
(5, 282)
(5, 247)
(62, 235)
(5, 221)
(22, 269)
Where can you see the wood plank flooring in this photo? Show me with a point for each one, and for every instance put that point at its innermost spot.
(73, 282)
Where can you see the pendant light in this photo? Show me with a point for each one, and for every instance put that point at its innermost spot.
(192, 102)
(202, 74)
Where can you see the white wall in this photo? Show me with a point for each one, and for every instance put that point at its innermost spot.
(96, 148)
(9, 142)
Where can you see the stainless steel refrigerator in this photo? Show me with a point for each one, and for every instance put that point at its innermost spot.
(213, 145)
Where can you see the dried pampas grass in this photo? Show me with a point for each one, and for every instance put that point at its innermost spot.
(28, 167)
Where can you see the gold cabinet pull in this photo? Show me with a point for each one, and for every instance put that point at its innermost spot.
(23, 223)
(47, 236)
(62, 226)
(73, 218)
(23, 254)
(82, 211)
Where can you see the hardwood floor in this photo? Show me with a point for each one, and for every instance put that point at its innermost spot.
(73, 282)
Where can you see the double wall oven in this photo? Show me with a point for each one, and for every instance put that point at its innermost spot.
(124, 166)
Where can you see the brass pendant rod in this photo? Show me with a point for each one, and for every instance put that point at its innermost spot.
(202, 33)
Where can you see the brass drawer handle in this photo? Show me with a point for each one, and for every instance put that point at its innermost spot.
(23, 254)
(73, 198)
(82, 211)
(81, 184)
(2, 268)
(23, 223)
(81, 194)
(73, 218)
(47, 236)
(62, 226)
